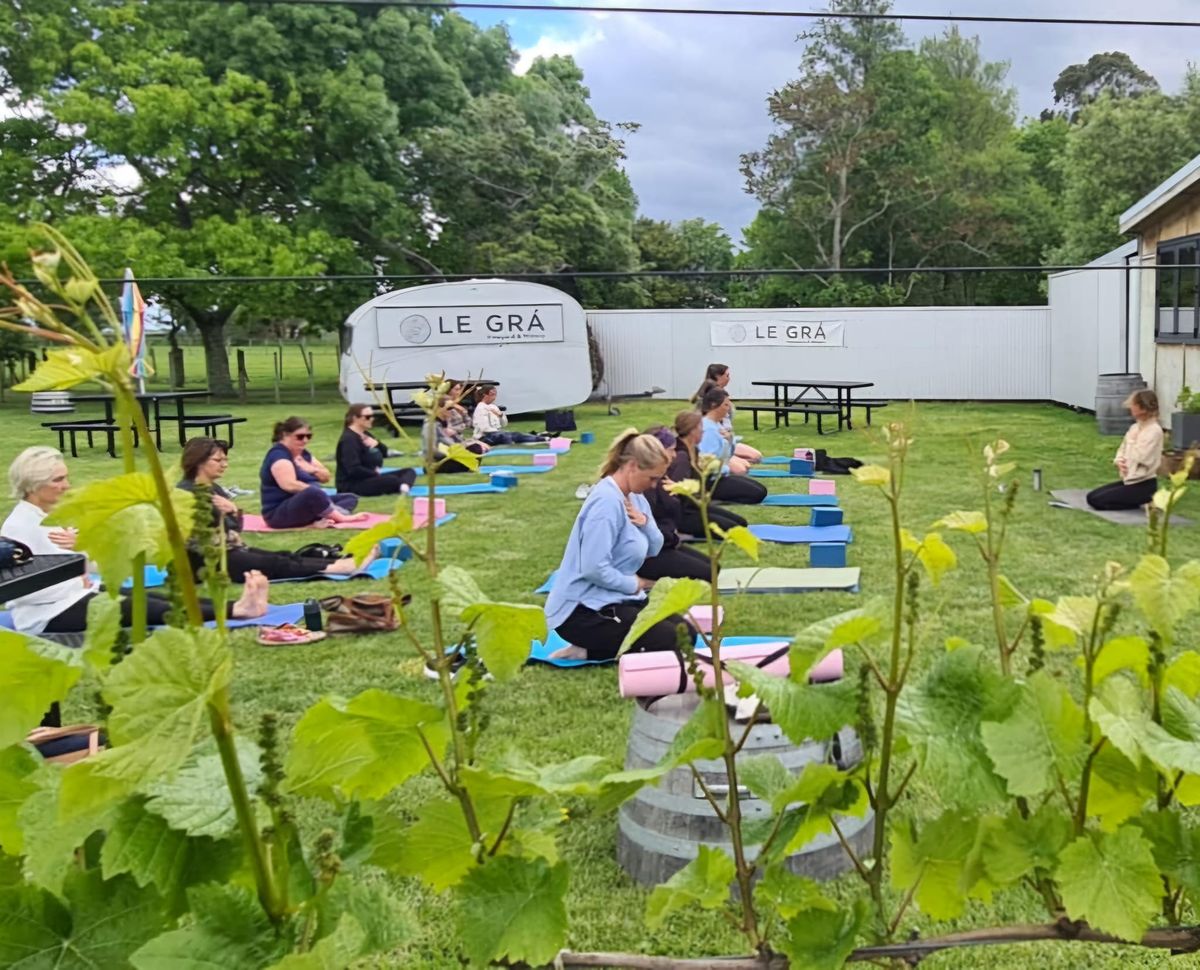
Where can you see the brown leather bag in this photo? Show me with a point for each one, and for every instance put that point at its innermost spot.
(364, 613)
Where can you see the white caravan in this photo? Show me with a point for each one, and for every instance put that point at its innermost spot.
(529, 337)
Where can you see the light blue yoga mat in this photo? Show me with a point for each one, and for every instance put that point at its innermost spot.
(511, 452)
(775, 473)
(800, 501)
(540, 652)
(515, 469)
(548, 585)
(477, 488)
(275, 616)
(803, 533)
(378, 569)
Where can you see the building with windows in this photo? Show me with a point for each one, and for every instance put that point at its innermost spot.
(1167, 224)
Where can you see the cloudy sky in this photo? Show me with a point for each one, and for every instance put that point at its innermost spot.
(698, 85)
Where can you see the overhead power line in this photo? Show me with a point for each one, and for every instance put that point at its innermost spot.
(481, 5)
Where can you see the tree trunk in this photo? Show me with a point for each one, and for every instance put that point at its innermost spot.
(216, 359)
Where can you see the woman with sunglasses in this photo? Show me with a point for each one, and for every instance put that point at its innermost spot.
(291, 480)
(360, 458)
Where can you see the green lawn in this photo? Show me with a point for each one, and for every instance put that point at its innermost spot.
(511, 542)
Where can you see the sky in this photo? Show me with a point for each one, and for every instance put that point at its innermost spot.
(698, 85)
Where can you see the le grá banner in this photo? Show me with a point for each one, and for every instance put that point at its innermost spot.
(445, 326)
(778, 333)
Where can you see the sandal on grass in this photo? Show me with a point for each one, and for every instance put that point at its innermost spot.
(287, 635)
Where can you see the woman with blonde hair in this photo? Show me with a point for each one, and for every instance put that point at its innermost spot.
(597, 593)
(1137, 459)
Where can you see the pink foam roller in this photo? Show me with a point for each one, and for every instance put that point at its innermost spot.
(421, 507)
(541, 458)
(806, 453)
(702, 617)
(822, 486)
(658, 674)
(560, 444)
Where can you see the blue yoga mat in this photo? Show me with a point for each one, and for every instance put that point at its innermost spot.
(523, 452)
(379, 569)
(803, 533)
(515, 469)
(548, 584)
(540, 652)
(777, 460)
(775, 473)
(275, 616)
(477, 488)
(801, 501)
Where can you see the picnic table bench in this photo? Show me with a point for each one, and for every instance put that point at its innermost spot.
(820, 411)
(842, 402)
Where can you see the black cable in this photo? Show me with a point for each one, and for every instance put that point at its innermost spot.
(468, 5)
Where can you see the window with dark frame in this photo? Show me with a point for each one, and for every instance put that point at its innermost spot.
(1178, 290)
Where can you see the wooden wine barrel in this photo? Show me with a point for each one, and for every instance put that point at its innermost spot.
(1112, 417)
(50, 402)
(661, 828)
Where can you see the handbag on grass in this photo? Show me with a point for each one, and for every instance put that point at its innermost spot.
(364, 613)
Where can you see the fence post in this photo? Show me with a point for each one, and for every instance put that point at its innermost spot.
(243, 377)
(276, 369)
(175, 365)
(307, 357)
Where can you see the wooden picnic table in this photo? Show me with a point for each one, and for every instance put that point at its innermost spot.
(781, 391)
(151, 402)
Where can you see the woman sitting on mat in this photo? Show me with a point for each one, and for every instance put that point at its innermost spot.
(1137, 459)
(457, 410)
(360, 458)
(291, 479)
(688, 430)
(718, 375)
(731, 487)
(597, 595)
(204, 461)
(39, 479)
(445, 437)
(490, 422)
(674, 560)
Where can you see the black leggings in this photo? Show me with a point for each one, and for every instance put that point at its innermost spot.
(385, 483)
(74, 618)
(693, 524)
(678, 563)
(739, 489)
(272, 563)
(1118, 495)
(601, 632)
(448, 466)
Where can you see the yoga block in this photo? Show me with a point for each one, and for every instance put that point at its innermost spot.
(806, 453)
(702, 617)
(421, 507)
(560, 444)
(822, 515)
(505, 480)
(822, 486)
(541, 458)
(586, 438)
(827, 554)
(801, 466)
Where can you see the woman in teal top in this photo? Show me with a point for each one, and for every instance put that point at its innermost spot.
(731, 487)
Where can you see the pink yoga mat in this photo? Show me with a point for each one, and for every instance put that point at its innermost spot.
(658, 674)
(256, 523)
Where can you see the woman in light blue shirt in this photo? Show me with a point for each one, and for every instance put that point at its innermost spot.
(597, 593)
(731, 487)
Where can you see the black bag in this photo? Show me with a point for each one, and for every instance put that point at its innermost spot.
(320, 550)
(559, 421)
(835, 466)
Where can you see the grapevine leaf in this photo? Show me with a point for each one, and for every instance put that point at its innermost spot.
(17, 763)
(1057, 636)
(65, 367)
(875, 475)
(789, 894)
(457, 589)
(103, 628)
(935, 863)
(802, 711)
(741, 537)
(504, 632)
(1040, 742)
(513, 909)
(1165, 599)
(396, 527)
(822, 791)
(461, 454)
(941, 718)
(669, 597)
(1111, 881)
(1075, 613)
(969, 522)
(936, 556)
(385, 921)
(512, 776)
(1018, 845)
(818, 639)
(702, 735)
(1010, 595)
(1121, 653)
(765, 776)
(1183, 673)
(1120, 788)
(1176, 849)
(1119, 712)
(196, 799)
(363, 747)
(31, 679)
(51, 834)
(704, 882)
(438, 848)
(821, 940)
(333, 952)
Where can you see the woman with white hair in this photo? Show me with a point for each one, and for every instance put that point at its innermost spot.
(39, 478)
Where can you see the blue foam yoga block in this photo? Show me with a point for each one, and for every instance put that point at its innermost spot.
(823, 515)
(801, 466)
(827, 554)
(504, 479)
(587, 437)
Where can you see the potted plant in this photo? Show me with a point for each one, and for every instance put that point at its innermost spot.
(1185, 420)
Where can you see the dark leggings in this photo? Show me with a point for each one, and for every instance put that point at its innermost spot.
(304, 508)
(508, 438)
(450, 467)
(272, 563)
(74, 618)
(1118, 495)
(386, 483)
(678, 563)
(693, 524)
(739, 489)
(601, 632)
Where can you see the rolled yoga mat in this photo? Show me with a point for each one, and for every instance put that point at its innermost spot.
(661, 673)
(778, 579)
(799, 500)
(794, 534)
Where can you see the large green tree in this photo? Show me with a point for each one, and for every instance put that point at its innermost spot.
(692, 245)
(1111, 73)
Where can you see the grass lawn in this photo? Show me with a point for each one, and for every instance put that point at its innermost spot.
(511, 542)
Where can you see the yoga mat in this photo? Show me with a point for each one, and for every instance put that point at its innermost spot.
(516, 450)
(658, 674)
(154, 577)
(275, 616)
(477, 488)
(548, 584)
(514, 470)
(775, 473)
(776, 460)
(539, 653)
(777, 579)
(379, 569)
(799, 500)
(256, 523)
(793, 534)
(1076, 498)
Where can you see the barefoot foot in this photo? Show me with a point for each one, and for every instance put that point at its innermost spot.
(569, 652)
(253, 601)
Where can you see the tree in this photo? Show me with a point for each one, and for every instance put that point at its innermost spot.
(1113, 73)
(691, 245)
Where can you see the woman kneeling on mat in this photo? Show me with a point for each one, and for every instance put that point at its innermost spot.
(675, 560)
(1137, 459)
(39, 479)
(291, 479)
(730, 487)
(688, 430)
(360, 458)
(445, 436)
(204, 461)
(598, 594)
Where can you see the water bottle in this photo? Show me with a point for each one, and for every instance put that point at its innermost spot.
(312, 615)
(1037, 479)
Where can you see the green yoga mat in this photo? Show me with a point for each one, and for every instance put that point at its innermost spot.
(779, 579)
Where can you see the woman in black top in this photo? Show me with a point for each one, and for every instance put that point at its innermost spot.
(683, 466)
(360, 459)
(675, 560)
